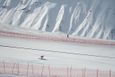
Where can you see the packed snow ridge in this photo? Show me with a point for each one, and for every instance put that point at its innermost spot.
(84, 18)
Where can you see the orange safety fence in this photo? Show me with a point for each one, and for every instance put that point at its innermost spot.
(62, 38)
(40, 70)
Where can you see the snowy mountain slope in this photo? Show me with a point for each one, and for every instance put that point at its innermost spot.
(84, 18)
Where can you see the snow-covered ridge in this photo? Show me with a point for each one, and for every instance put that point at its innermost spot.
(85, 18)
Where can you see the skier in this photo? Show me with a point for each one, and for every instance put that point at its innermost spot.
(42, 57)
(67, 35)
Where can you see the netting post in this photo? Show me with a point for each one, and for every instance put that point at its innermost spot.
(42, 71)
(71, 71)
(49, 70)
(4, 67)
(27, 69)
(32, 70)
(109, 73)
(13, 68)
(18, 68)
(67, 71)
(97, 73)
(84, 72)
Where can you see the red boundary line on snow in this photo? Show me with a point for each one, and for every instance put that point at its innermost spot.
(56, 38)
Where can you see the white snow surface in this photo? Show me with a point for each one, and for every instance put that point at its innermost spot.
(57, 53)
(84, 18)
(24, 50)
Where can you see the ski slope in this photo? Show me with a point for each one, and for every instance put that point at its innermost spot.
(32, 28)
(66, 56)
(60, 52)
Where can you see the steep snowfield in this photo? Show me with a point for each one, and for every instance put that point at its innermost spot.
(84, 18)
